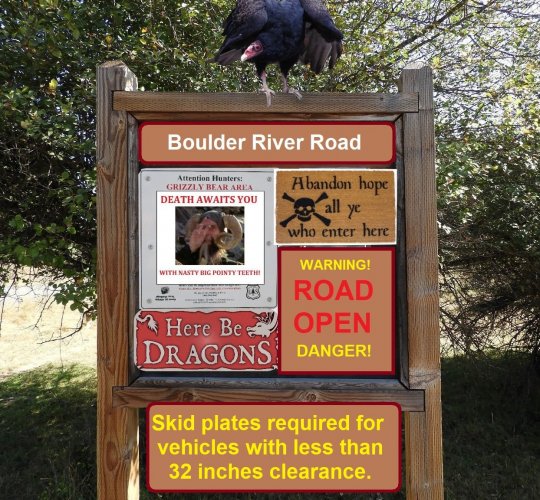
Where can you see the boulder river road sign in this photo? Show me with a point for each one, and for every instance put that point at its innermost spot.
(266, 143)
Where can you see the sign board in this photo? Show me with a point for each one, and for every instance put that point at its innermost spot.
(266, 143)
(172, 204)
(196, 340)
(342, 207)
(289, 447)
(208, 316)
(336, 310)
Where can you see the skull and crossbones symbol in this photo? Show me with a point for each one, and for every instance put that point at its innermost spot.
(304, 209)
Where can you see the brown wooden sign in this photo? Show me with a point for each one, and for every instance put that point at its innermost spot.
(262, 447)
(336, 206)
(267, 143)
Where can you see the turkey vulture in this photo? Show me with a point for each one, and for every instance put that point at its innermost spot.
(280, 31)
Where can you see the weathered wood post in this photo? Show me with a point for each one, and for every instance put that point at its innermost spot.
(117, 428)
(423, 430)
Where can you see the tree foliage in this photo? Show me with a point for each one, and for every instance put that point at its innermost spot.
(490, 228)
(485, 59)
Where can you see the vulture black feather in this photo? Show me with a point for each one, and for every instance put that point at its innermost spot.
(280, 31)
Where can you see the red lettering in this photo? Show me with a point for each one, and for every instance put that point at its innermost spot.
(323, 319)
(369, 292)
(359, 323)
(302, 287)
(297, 325)
(324, 290)
(344, 290)
(365, 324)
(342, 322)
(329, 292)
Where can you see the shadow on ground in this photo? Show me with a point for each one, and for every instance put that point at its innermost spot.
(47, 424)
(491, 424)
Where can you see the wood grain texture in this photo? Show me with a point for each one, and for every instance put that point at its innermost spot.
(334, 222)
(423, 448)
(117, 428)
(121, 393)
(311, 103)
(133, 232)
(140, 397)
(211, 388)
(423, 430)
(421, 230)
(143, 116)
(401, 265)
(269, 383)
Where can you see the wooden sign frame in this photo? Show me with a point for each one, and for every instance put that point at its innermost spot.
(123, 390)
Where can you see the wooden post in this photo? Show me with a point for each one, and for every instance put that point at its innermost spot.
(117, 428)
(423, 430)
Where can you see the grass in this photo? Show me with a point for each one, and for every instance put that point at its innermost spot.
(48, 438)
(491, 428)
(491, 423)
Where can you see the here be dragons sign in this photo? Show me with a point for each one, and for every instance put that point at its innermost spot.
(195, 340)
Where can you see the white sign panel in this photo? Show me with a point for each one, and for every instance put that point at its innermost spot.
(244, 206)
(206, 238)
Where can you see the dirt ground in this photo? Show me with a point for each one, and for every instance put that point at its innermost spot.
(28, 341)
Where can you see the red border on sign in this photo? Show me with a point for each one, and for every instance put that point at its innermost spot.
(243, 317)
(392, 250)
(355, 403)
(207, 163)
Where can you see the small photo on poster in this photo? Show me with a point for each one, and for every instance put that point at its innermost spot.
(209, 236)
(205, 238)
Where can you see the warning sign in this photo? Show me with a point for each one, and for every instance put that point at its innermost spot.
(336, 310)
(205, 239)
(336, 206)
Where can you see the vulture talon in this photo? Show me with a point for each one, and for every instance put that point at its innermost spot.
(269, 93)
(266, 89)
(290, 90)
(294, 92)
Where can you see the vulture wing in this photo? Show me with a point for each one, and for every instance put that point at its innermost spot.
(322, 41)
(240, 28)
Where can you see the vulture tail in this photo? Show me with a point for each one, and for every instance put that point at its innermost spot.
(317, 50)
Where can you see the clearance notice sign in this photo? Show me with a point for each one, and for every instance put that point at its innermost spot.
(273, 447)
